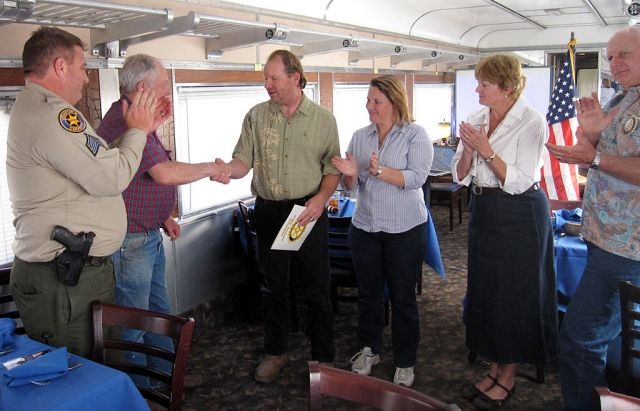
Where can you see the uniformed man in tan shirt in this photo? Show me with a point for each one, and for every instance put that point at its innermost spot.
(60, 172)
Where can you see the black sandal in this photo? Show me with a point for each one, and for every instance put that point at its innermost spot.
(472, 391)
(485, 402)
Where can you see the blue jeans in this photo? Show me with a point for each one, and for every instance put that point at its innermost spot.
(396, 259)
(139, 266)
(591, 322)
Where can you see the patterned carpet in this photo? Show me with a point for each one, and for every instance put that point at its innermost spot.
(227, 348)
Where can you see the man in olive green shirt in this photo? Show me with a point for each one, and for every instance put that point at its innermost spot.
(289, 142)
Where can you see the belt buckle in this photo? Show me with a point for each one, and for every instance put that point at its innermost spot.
(477, 190)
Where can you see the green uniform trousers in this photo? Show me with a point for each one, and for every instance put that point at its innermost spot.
(60, 315)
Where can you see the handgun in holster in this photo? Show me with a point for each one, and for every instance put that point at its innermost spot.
(70, 262)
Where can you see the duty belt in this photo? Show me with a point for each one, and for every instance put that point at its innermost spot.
(91, 260)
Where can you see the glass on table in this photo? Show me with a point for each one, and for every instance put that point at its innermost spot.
(335, 199)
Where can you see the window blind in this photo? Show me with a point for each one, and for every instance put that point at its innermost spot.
(6, 213)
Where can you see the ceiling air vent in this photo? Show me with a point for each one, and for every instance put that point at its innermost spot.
(554, 12)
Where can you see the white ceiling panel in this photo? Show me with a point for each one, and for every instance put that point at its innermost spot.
(427, 30)
(484, 25)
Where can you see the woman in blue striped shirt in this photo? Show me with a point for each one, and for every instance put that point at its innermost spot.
(388, 161)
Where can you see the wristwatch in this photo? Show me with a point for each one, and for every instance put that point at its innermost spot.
(379, 171)
(596, 162)
(490, 158)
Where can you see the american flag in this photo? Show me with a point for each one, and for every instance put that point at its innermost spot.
(559, 180)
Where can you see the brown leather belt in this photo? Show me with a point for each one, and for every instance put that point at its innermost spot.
(497, 191)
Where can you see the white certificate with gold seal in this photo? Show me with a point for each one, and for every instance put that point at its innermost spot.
(292, 235)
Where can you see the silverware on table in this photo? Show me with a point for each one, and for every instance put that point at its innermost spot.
(71, 367)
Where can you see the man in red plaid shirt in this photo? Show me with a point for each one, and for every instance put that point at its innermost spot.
(150, 198)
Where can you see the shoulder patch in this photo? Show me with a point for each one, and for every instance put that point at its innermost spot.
(93, 144)
(72, 121)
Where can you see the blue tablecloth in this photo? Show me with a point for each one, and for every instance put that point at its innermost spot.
(571, 258)
(89, 387)
(432, 256)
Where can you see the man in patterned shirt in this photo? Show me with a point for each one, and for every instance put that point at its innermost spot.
(149, 200)
(610, 142)
(289, 142)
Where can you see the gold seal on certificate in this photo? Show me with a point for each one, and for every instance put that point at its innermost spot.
(630, 125)
(292, 234)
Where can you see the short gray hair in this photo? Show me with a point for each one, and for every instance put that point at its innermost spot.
(137, 68)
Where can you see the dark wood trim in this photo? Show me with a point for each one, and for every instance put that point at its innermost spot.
(408, 85)
(359, 77)
(432, 78)
(227, 76)
(326, 90)
(10, 77)
(218, 76)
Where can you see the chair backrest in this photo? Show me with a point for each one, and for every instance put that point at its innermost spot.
(178, 328)
(248, 227)
(361, 389)
(8, 308)
(612, 401)
(442, 158)
(630, 335)
(564, 204)
(339, 252)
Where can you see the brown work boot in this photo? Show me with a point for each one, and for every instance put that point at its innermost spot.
(269, 368)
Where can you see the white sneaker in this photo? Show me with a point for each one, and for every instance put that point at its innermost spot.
(363, 361)
(404, 376)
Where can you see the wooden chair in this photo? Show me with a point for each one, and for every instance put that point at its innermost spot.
(452, 193)
(361, 389)
(178, 328)
(251, 295)
(611, 401)
(564, 204)
(250, 235)
(444, 189)
(343, 274)
(257, 273)
(625, 374)
(8, 308)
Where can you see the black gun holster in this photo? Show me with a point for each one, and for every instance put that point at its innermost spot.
(69, 263)
(69, 266)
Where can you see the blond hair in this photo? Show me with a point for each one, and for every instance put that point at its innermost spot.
(504, 70)
(394, 90)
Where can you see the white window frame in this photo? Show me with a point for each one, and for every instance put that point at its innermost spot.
(6, 212)
(350, 111)
(431, 106)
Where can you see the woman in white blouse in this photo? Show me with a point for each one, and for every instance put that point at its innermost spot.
(511, 311)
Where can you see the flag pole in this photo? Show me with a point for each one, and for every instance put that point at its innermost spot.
(572, 47)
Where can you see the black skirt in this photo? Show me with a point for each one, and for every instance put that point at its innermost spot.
(512, 309)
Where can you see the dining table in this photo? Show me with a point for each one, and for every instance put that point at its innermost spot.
(91, 386)
(570, 254)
